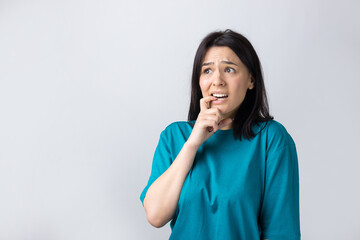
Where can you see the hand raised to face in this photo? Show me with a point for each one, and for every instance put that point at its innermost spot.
(209, 121)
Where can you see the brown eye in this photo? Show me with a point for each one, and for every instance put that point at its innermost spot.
(207, 71)
(229, 70)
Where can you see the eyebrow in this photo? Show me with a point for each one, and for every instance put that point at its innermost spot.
(211, 63)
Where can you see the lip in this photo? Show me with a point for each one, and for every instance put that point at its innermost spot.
(219, 101)
(218, 92)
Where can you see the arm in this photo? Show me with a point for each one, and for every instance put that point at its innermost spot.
(279, 218)
(162, 197)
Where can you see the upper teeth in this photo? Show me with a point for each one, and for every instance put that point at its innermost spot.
(219, 95)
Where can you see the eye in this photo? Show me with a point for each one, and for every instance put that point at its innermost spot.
(207, 71)
(229, 70)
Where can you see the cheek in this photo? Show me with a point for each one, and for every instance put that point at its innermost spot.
(204, 84)
(240, 89)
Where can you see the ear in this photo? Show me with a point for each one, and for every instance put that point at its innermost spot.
(252, 83)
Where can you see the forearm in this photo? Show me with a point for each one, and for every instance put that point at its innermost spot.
(163, 195)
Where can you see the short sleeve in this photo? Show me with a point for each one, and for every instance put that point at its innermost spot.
(279, 216)
(161, 161)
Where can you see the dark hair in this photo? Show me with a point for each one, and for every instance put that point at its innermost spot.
(254, 109)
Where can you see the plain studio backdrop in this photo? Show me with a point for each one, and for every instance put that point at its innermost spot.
(86, 87)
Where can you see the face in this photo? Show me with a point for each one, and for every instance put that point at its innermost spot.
(224, 76)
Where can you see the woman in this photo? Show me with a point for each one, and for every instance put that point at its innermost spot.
(231, 171)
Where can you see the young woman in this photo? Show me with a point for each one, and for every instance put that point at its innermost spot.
(230, 171)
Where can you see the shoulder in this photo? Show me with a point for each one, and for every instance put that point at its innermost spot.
(178, 125)
(176, 128)
(175, 135)
(276, 134)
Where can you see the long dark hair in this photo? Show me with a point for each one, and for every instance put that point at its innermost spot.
(254, 109)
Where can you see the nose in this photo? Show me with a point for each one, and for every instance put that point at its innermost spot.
(218, 79)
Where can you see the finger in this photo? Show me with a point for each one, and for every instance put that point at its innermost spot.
(212, 125)
(205, 102)
(215, 117)
(214, 112)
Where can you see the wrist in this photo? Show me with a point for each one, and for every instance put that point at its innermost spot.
(191, 145)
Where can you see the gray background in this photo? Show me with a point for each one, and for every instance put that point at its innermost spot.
(87, 86)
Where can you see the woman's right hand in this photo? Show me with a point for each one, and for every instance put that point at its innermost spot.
(162, 197)
(207, 123)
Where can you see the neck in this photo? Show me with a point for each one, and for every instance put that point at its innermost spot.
(227, 127)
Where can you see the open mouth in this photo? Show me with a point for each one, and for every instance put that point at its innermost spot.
(219, 95)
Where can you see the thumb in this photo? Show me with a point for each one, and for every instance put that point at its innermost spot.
(225, 122)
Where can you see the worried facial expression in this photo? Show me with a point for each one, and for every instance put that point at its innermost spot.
(224, 76)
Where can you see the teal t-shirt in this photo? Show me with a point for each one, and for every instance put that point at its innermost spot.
(236, 189)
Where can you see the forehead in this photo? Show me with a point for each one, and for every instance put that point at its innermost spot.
(215, 54)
